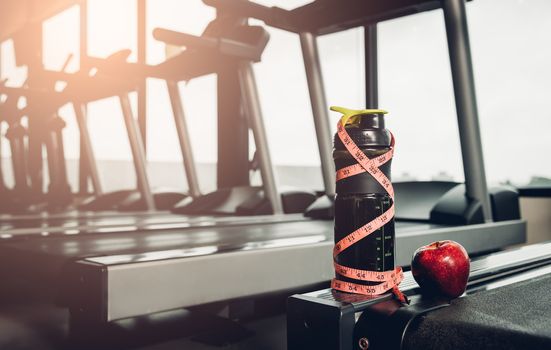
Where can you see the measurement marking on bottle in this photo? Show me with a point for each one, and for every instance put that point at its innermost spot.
(382, 234)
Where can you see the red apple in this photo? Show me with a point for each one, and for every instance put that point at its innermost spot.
(441, 268)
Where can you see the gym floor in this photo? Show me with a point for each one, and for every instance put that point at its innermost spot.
(30, 321)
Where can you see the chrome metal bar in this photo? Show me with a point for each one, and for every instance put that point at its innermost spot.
(83, 172)
(138, 152)
(87, 149)
(141, 35)
(254, 116)
(319, 109)
(183, 138)
(371, 67)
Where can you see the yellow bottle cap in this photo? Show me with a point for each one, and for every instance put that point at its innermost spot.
(350, 116)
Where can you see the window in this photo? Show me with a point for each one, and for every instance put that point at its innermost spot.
(511, 51)
(415, 86)
(511, 56)
(513, 80)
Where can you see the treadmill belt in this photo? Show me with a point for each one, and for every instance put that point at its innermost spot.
(46, 255)
(129, 222)
(517, 316)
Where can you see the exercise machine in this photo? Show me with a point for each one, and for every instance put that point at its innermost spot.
(473, 205)
(80, 89)
(22, 196)
(15, 199)
(326, 17)
(183, 67)
(144, 198)
(501, 287)
(228, 47)
(235, 47)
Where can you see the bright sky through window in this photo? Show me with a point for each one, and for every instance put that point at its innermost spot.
(511, 53)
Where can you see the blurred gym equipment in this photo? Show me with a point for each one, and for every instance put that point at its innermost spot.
(241, 46)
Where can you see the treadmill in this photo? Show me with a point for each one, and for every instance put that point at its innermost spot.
(8, 107)
(505, 307)
(80, 89)
(228, 47)
(182, 67)
(112, 277)
(22, 22)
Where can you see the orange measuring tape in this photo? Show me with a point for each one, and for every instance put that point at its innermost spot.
(384, 280)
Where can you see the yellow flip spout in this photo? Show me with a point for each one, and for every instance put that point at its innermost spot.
(350, 116)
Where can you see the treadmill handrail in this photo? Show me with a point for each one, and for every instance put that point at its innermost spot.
(223, 45)
(273, 16)
(172, 37)
(322, 17)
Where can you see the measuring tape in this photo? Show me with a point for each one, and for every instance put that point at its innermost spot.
(385, 280)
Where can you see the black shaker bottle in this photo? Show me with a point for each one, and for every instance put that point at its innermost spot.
(360, 198)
